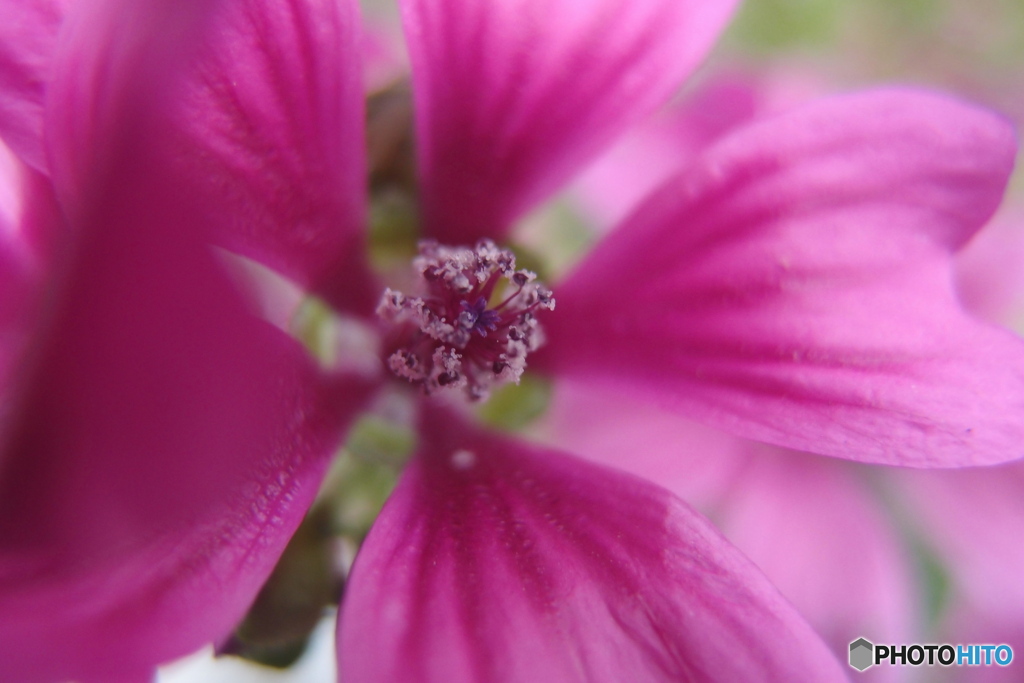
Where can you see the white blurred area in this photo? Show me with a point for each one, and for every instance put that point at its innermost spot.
(317, 665)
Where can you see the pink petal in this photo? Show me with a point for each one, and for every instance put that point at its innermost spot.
(28, 210)
(29, 220)
(272, 123)
(28, 41)
(18, 288)
(789, 512)
(500, 561)
(513, 97)
(823, 538)
(168, 442)
(794, 287)
(693, 461)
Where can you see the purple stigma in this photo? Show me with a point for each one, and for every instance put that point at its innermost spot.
(476, 317)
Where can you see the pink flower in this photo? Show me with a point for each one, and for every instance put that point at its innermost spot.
(162, 443)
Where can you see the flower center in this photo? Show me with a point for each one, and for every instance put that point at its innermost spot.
(453, 336)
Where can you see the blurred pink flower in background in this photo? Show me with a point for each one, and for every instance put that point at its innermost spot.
(790, 284)
(973, 520)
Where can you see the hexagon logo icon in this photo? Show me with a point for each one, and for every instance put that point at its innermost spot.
(861, 651)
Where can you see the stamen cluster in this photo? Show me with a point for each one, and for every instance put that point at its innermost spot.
(452, 336)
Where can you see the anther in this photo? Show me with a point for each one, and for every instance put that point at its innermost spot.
(451, 336)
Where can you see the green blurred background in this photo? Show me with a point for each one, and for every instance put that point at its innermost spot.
(971, 47)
